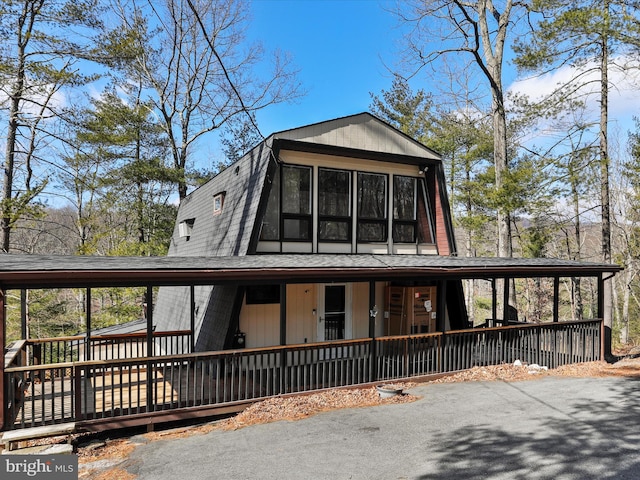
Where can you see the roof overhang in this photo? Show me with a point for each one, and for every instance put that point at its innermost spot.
(38, 271)
(309, 147)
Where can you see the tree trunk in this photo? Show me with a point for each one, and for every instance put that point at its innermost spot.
(604, 185)
(576, 294)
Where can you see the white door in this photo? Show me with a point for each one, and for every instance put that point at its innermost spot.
(334, 312)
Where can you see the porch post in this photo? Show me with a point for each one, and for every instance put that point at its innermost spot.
(284, 385)
(149, 299)
(192, 317)
(87, 338)
(283, 314)
(556, 298)
(494, 301)
(605, 332)
(505, 303)
(23, 314)
(3, 327)
(441, 309)
(373, 312)
(150, 386)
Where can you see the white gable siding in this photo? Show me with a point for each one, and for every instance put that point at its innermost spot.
(363, 132)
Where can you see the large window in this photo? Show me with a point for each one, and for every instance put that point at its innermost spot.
(404, 209)
(372, 207)
(290, 211)
(334, 205)
(296, 202)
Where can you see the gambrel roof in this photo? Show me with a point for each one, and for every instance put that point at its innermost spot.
(246, 185)
(361, 132)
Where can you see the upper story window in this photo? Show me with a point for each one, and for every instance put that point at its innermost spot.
(404, 209)
(218, 202)
(185, 228)
(334, 205)
(296, 202)
(372, 207)
(290, 212)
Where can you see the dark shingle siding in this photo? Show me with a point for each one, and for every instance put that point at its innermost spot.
(226, 234)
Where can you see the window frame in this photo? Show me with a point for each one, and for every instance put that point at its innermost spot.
(218, 203)
(362, 220)
(284, 216)
(347, 219)
(397, 222)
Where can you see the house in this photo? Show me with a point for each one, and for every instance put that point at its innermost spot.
(323, 258)
(348, 186)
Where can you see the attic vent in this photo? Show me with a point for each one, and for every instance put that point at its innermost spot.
(185, 227)
(218, 201)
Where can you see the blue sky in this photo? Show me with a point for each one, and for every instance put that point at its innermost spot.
(343, 48)
(340, 48)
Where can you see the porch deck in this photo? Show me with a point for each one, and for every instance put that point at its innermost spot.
(156, 388)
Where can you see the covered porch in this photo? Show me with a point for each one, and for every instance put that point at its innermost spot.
(102, 381)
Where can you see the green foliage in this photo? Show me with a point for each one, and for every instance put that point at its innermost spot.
(534, 240)
(463, 138)
(409, 112)
(121, 177)
(570, 32)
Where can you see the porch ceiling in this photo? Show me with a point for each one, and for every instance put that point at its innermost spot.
(57, 271)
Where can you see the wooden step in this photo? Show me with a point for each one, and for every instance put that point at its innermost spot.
(56, 449)
(12, 437)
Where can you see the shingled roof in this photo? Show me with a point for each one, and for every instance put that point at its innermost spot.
(33, 271)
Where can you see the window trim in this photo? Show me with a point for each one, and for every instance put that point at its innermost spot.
(404, 222)
(185, 228)
(384, 222)
(343, 219)
(218, 203)
(296, 216)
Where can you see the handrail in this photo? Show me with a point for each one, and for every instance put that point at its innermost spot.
(114, 336)
(94, 389)
(190, 356)
(13, 351)
(300, 346)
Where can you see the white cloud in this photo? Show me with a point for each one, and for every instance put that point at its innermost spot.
(624, 93)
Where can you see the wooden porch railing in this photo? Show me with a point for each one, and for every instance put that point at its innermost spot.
(85, 390)
(45, 351)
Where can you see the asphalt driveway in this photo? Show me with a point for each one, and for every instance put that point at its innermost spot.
(551, 428)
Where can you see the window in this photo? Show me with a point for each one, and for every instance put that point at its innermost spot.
(296, 202)
(404, 209)
(334, 205)
(271, 221)
(185, 228)
(218, 201)
(425, 226)
(372, 207)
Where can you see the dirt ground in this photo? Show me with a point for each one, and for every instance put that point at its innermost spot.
(102, 460)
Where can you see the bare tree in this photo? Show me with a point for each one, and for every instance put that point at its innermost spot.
(478, 29)
(199, 71)
(47, 48)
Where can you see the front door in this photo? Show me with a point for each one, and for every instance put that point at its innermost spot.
(334, 319)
